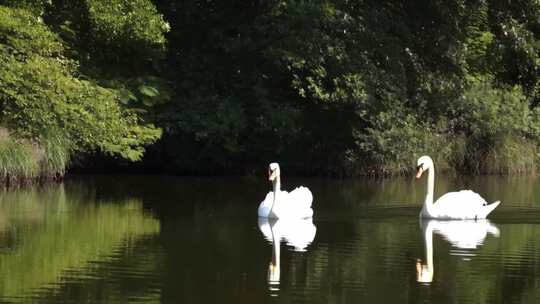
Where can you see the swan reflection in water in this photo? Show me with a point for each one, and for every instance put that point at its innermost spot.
(466, 235)
(297, 233)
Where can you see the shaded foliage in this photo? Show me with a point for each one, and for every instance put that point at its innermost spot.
(327, 87)
(358, 87)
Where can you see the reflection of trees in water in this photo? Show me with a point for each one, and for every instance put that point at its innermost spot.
(170, 196)
(166, 191)
(207, 241)
(222, 259)
(131, 273)
(8, 240)
(361, 260)
(213, 259)
(56, 231)
(365, 259)
(519, 264)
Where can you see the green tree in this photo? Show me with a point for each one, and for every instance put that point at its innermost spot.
(41, 92)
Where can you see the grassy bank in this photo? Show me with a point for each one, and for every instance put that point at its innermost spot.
(23, 161)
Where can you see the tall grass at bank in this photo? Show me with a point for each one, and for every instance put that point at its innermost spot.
(511, 156)
(508, 155)
(56, 155)
(23, 160)
(17, 160)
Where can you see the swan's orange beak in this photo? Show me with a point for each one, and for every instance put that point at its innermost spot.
(419, 172)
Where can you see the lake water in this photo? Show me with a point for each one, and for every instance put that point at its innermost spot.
(185, 240)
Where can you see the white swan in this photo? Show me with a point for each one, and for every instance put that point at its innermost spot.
(283, 204)
(464, 234)
(464, 204)
(298, 233)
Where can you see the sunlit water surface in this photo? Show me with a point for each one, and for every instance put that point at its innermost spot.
(184, 240)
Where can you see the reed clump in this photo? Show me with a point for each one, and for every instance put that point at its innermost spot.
(55, 157)
(512, 156)
(23, 161)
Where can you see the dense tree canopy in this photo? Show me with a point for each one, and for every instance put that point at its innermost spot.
(326, 86)
(43, 91)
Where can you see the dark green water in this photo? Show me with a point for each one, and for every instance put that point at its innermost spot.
(119, 239)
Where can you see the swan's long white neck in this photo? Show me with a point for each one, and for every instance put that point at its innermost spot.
(277, 184)
(428, 203)
(276, 188)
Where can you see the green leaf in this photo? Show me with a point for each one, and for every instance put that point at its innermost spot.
(148, 91)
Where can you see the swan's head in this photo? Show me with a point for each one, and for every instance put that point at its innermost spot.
(424, 163)
(273, 171)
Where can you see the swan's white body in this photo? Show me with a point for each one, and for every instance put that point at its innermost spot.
(466, 234)
(298, 233)
(282, 204)
(461, 205)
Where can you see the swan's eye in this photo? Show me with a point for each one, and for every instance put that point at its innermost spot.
(421, 166)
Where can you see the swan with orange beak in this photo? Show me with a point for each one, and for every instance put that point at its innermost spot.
(283, 204)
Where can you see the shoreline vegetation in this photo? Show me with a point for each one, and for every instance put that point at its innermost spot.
(329, 88)
(23, 161)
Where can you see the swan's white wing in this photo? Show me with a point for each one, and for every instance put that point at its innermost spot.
(466, 198)
(294, 204)
(301, 200)
(266, 204)
(464, 204)
(301, 196)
